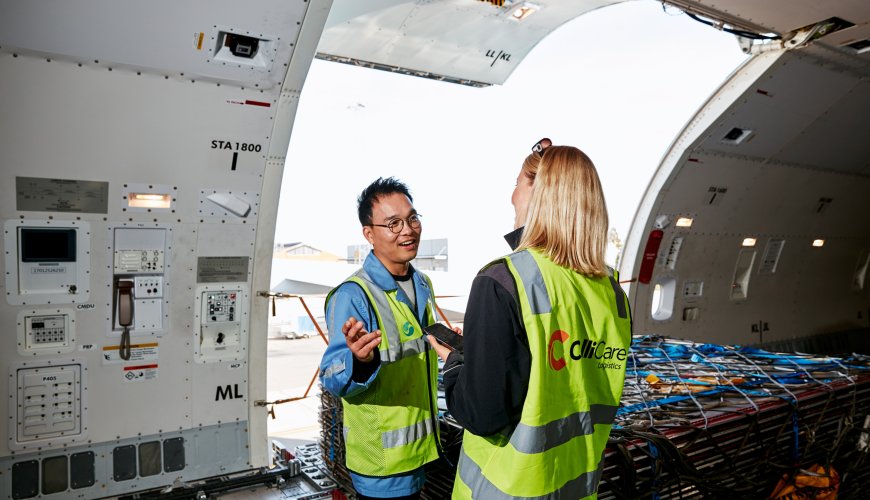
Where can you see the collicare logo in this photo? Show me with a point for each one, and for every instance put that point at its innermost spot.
(560, 336)
(408, 329)
(608, 357)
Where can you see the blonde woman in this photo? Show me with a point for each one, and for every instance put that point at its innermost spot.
(546, 339)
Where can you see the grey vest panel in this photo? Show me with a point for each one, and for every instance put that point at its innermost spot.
(533, 282)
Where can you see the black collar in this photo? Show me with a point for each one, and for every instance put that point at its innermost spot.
(513, 237)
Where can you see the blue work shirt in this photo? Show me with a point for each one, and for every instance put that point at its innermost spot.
(337, 366)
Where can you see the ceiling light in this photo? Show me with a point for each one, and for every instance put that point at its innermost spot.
(749, 242)
(684, 222)
(818, 243)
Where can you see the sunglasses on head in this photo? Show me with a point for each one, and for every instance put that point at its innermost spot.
(541, 145)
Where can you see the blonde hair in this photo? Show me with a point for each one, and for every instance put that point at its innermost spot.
(567, 217)
(530, 166)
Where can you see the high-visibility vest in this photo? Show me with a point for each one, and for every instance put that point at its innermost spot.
(579, 332)
(388, 428)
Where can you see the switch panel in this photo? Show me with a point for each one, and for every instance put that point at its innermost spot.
(49, 402)
(138, 261)
(221, 306)
(221, 323)
(674, 252)
(693, 289)
(43, 331)
(221, 328)
(147, 303)
(148, 287)
(46, 331)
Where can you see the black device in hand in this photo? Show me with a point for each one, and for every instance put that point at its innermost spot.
(445, 336)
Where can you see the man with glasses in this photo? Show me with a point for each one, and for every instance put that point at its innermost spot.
(377, 360)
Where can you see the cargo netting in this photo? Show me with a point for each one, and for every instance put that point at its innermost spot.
(707, 421)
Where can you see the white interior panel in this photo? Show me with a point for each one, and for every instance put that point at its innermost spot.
(819, 193)
(848, 114)
(160, 36)
(119, 94)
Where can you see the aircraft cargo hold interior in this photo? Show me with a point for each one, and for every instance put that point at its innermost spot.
(143, 147)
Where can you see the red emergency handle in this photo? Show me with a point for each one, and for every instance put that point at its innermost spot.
(649, 255)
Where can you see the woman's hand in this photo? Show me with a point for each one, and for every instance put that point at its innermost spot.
(440, 349)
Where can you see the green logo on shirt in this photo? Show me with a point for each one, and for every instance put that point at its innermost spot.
(408, 329)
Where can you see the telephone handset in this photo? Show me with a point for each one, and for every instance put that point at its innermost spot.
(125, 316)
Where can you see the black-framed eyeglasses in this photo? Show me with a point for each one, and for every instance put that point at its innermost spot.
(398, 224)
(541, 145)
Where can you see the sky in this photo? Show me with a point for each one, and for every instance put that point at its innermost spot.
(619, 83)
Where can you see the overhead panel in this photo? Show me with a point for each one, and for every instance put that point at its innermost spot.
(471, 42)
(772, 117)
(783, 16)
(221, 40)
(838, 128)
(808, 113)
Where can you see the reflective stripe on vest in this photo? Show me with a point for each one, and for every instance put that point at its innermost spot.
(539, 299)
(538, 439)
(396, 349)
(620, 296)
(533, 282)
(472, 476)
(401, 437)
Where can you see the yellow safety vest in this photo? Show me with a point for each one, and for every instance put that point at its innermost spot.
(388, 427)
(579, 332)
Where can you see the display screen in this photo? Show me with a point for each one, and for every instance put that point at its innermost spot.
(48, 245)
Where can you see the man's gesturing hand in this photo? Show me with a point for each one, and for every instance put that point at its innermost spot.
(361, 343)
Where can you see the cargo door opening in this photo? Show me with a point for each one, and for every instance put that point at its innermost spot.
(355, 124)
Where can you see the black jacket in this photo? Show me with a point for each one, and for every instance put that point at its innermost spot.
(486, 394)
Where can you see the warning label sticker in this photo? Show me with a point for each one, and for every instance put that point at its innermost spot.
(140, 373)
(138, 353)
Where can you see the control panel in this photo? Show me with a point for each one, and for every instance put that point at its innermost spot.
(46, 331)
(139, 269)
(221, 328)
(47, 262)
(221, 306)
(148, 302)
(148, 286)
(138, 261)
(49, 403)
